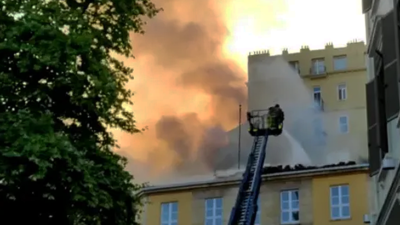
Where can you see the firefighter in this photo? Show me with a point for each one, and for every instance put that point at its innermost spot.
(252, 130)
(275, 120)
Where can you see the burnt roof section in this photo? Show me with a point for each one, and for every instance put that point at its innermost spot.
(299, 167)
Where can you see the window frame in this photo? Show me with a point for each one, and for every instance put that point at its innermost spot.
(290, 208)
(339, 57)
(170, 220)
(347, 124)
(340, 203)
(214, 217)
(342, 88)
(316, 66)
(317, 92)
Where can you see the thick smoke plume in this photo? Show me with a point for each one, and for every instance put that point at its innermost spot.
(188, 92)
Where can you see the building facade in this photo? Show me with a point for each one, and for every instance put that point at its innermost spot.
(334, 78)
(323, 196)
(382, 28)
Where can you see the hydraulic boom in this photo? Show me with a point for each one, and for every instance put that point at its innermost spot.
(245, 210)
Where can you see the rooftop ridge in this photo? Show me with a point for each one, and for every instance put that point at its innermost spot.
(305, 48)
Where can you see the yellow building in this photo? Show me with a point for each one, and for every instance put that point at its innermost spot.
(331, 195)
(317, 89)
(334, 78)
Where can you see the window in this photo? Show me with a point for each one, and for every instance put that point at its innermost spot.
(295, 65)
(257, 221)
(342, 92)
(344, 124)
(318, 66)
(213, 211)
(289, 207)
(317, 95)
(340, 202)
(169, 213)
(340, 62)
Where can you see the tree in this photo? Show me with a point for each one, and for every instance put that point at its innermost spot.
(60, 91)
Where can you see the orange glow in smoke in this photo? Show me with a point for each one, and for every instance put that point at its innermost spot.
(252, 25)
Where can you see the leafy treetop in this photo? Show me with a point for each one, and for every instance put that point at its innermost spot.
(60, 91)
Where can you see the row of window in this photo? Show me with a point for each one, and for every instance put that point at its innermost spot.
(289, 203)
(341, 93)
(318, 65)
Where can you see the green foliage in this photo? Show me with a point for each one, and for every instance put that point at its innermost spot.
(60, 91)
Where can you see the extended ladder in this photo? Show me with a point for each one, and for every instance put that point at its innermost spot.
(245, 210)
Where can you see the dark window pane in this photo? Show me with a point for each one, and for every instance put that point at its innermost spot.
(295, 216)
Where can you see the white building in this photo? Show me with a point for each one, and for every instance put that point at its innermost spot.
(382, 27)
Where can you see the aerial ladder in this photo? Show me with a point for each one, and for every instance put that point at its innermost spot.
(245, 209)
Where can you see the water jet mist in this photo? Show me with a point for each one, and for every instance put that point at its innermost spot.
(272, 80)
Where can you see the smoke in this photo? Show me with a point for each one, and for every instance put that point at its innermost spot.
(187, 41)
(278, 82)
(187, 91)
(312, 135)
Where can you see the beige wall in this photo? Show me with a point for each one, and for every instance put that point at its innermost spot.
(358, 184)
(192, 204)
(354, 51)
(270, 199)
(355, 82)
(153, 207)
(228, 195)
(314, 200)
(272, 80)
(352, 145)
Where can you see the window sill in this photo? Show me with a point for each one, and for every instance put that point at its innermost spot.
(340, 219)
(327, 73)
(348, 70)
(316, 76)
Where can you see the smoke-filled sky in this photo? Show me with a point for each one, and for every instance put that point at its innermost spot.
(190, 71)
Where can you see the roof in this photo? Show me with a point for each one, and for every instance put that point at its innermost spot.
(269, 173)
(300, 167)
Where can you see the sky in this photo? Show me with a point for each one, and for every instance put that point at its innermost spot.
(190, 71)
(277, 24)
